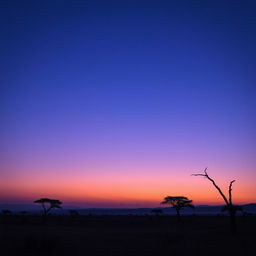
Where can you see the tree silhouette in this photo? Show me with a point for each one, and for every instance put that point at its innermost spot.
(73, 213)
(178, 202)
(157, 211)
(23, 213)
(6, 212)
(52, 203)
(230, 207)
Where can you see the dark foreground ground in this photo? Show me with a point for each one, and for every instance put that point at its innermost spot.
(126, 235)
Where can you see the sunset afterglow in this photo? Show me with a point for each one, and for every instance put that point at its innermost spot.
(116, 106)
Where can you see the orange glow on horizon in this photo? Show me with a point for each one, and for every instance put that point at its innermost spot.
(118, 190)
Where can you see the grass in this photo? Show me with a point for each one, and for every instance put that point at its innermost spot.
(126, 235)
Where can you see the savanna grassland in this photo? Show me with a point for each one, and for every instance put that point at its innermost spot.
(126, 235)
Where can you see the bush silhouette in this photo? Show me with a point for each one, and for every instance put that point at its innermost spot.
(23, 213)
(73, 213)
(6, 212)
(157, 211)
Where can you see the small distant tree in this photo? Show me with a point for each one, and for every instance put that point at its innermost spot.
(178, 202)
(229, 207)
(73, 213)
(48, 205)
(6, 212)
(23, 213)
(157, 211)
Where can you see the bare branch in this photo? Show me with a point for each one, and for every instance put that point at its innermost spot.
(198, 174)
(201, 174)
(230, 191)
(213, 182)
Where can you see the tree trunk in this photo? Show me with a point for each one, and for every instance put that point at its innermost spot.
(233, 227)
(178, 215)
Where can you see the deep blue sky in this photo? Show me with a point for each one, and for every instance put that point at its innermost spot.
(156, 83)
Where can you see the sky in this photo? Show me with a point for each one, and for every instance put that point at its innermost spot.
(117, 103)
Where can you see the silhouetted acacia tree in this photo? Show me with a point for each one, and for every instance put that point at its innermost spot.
(178, 202)
(52, 203)
(230, 207)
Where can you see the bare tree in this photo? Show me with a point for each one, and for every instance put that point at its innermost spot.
(230, 207)
(178, 202)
